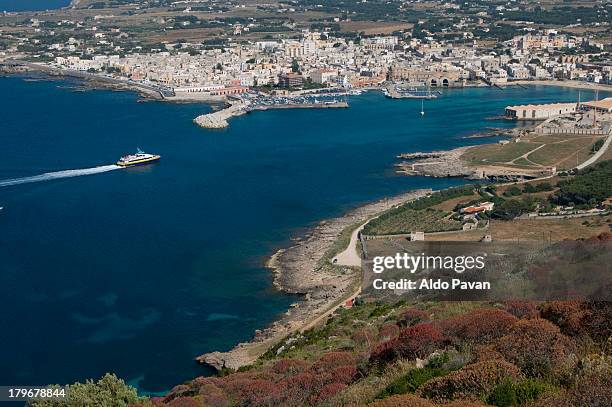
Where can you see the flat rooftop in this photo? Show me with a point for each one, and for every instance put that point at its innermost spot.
(542, 106)
(600, 104)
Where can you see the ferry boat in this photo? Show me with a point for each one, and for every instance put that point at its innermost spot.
(140, 158)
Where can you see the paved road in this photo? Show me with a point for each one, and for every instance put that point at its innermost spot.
(598, 154)
(349, 256)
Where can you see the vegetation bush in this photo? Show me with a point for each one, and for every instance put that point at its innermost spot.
(598, 321)
(107, 391)
(412, 316)
(328, 391)
(482, 353)
(388, 331)
(364, 338)
(513, 191)
(405, 218)
(592, 389)
(567, 315)
(411, 381)
(522, 309)
(465, 403)
(512, 208)
(332, 360)
(404, 400)
(538, 347)
(479, 326)
(590, 186)
(510, 393)
(416, 341)
(185, 402)
(475, 380)
(289, 367)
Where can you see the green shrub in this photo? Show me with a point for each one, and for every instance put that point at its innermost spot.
(108, 391)
(510, 394)
(411, 381)
(513, 191)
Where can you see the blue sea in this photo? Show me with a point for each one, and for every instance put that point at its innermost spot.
(32, 5)
(137, 271)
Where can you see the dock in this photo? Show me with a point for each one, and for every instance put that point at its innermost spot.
(220, 119)
(397, 92)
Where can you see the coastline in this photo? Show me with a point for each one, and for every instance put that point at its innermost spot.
(306, 269)
(563, 84)
(90, 81)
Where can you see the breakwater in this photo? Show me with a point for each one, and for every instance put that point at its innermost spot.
(220, 118)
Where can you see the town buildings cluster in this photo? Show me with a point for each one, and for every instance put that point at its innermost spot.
(316, 58)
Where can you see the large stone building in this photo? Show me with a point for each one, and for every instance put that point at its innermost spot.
(435, 75)
(539, 112)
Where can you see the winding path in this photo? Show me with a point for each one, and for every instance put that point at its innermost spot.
(349, 256)
(598, 154)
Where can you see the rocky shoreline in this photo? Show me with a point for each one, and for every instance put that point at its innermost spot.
(442, 164)
(88, 81)
(306, 269)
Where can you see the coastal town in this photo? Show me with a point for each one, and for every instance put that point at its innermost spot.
(454, 48)
(535, 191)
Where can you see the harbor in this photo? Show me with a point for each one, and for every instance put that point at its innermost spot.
(237, 106)
(399, 91)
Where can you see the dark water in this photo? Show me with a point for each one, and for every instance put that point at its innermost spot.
(137, 271)
(32, 5)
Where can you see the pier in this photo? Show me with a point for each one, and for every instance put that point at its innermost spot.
(238, 107)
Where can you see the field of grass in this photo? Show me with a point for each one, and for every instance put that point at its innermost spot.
(555, 153)
(410, 220)
(555, 150)
(497, 153)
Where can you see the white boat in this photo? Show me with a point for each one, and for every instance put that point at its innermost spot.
(139, 158)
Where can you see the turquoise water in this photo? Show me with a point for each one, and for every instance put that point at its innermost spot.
(137, 271)
(32, 5)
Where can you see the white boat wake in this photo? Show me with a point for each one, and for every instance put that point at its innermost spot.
(58, 174)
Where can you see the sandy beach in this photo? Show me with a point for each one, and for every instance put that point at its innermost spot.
(306, 269)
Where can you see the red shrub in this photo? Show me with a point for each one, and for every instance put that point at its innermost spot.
(185, 402)
(419, 340)
(598, 322)
(472, 381)
(482, 353)
(388, 331)
(288, 367)
(412, 316)
(522, 309)
(333, 359)
(537, 347)
(328, 391)
(157, 401)
(567, 315)
(212, 396)
(465, 403)
(343, 374)
(299, 389)
(385, 352)
(256, 392)
(480, 326)
(178, 391)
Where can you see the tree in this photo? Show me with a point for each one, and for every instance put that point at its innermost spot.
(108, 391)
(295, 67)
